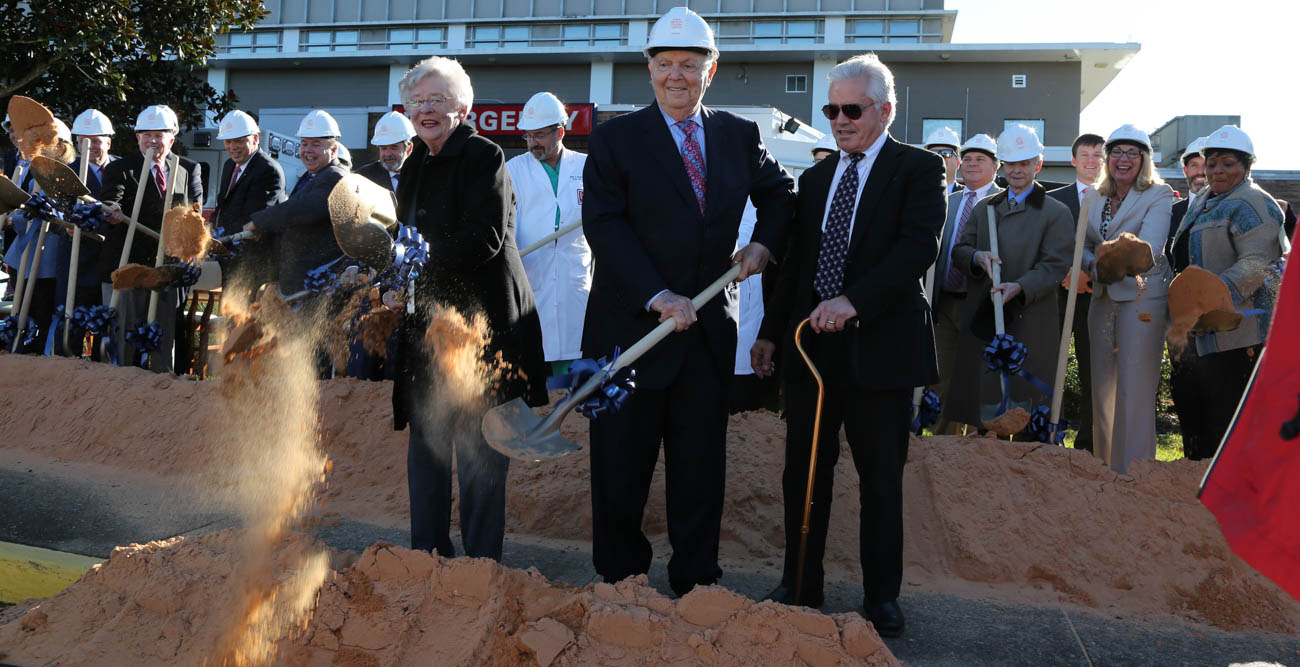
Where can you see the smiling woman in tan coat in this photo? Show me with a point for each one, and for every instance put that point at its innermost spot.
(1034, 241)
(1126, 322)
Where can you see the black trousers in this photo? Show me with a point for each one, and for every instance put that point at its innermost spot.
(85, 296)
(1082, 354)
(876, 423)
(40, 312)
(1206, 391)
(481, 478)
(689, 418)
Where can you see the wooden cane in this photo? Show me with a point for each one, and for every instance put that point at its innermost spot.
(70, 301)
(1076, 265)
(173, 164)
(812, 462)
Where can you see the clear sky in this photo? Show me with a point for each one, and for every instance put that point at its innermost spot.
(1238, 57)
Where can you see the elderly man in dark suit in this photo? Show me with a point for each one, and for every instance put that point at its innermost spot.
(1086, 155)
(302, 222)
(250, 182)
(455, 190)
(155, 128)
(867, 229)
(665, 191)
(93, 126)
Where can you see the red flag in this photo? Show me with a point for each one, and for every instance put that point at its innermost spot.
(1253, 486)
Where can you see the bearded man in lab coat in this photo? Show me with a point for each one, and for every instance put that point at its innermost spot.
(548, 195)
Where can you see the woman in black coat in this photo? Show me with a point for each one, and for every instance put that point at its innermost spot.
(456, 191)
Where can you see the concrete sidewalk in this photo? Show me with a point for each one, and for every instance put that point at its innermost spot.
(57, 508)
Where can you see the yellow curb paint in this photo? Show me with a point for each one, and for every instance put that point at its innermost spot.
(32, 572)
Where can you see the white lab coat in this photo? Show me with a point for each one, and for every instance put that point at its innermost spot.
(559, 272)
(751, 297)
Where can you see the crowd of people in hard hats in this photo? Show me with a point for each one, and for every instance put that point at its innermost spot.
(898, 268)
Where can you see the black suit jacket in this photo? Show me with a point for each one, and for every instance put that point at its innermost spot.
(647, 234)
(302, 223)
(1068, 195)
(121, 178)
(462, 202)
(259, 186)
(376, 172)
(895, 239)
(89, 252)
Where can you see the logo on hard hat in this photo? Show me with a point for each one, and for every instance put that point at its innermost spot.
(675, 24)
(1223, 135)
(1020, 141)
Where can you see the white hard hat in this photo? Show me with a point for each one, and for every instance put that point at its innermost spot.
(92, 123)
(157, 117)
(681, 28)
(944, 136)
(61, 129)
(392, 128)
(344, 156)
(1193, 149)
(1129, 133)
(1231, 137)
(542, 110)
(1018, 142)
(980, 142)
(237, 124)
(826, 143)
(318, 124)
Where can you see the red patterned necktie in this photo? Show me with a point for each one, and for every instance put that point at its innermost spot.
(694, 160)
(233, 177)
(160, 179)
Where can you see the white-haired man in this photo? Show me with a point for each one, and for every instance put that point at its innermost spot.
(867, 228)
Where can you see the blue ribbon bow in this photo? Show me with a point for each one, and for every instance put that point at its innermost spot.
(928, 413)
(1043, 430)
(233, 246)
(146, 338)
(410, 253)
(324, 278)
(40, 207)
(190, 275)
(9, 329)
(609, 397)
(90, 217)
(1005, 355)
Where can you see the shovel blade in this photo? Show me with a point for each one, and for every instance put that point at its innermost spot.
(513, 429)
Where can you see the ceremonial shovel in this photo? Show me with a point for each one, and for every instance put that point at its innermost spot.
(990, 412)
(133, 224)
(514, 430)
(1058, 387)
(550, 237)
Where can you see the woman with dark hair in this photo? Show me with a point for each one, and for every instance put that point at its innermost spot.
(1127, 318)
(455, 189)
(1232, 229)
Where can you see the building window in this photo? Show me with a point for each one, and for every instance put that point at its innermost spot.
(896, 31)
(931, 125)
(768, 32)
(595, 34)
(866, 32)
(1019, 81)
(1038, 124)
(415, 38)
(796, 83)
(497, 36)
(331, 40)
(261, 41)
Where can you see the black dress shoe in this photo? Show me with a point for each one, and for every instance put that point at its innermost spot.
(887, 617)
(785, 595)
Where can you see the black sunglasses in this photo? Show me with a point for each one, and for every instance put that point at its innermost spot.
(851, 111)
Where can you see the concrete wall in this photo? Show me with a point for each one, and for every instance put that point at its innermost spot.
(516, 83)
(277, 88)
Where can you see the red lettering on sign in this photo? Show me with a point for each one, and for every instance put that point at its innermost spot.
(499, 120)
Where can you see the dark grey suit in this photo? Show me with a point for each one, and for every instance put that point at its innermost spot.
(303, 224)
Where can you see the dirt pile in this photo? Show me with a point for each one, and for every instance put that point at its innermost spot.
(154, 603)
(1018, 522)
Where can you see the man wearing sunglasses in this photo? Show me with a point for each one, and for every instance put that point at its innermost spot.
(866, 230)
(665, 191)
(944, 143)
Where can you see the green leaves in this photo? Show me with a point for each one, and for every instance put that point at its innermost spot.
(118, 56)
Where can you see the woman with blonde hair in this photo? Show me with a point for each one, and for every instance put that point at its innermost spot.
(1127, 319)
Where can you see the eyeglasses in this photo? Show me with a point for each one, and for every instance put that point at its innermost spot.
(851, 111)
(427, 102)
(540, 135)
(1131, 154)
(944, 152)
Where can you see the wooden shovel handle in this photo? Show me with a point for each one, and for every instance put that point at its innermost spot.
(1058, 387)
(995, 273)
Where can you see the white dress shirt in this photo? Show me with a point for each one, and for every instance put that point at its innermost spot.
(864, 170)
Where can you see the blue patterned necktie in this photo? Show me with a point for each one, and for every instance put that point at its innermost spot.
(829, 281)
(302, 182)
(694, 160)
(954, 280)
